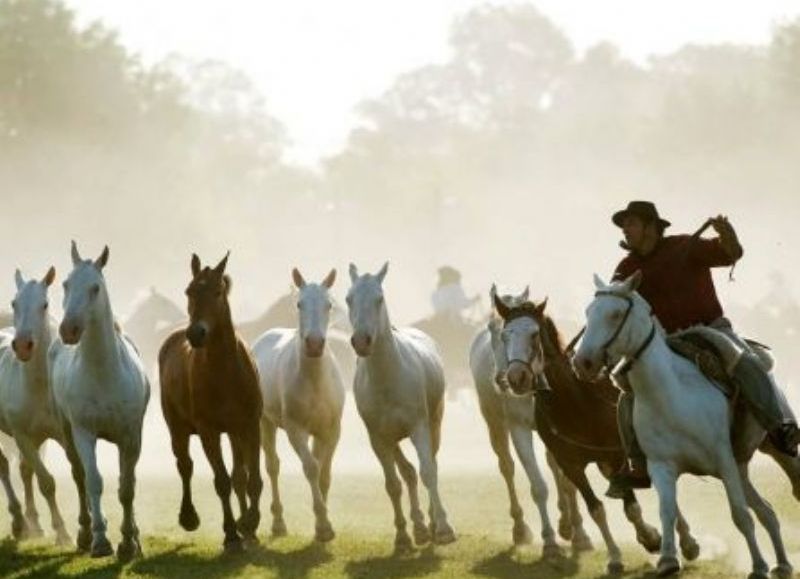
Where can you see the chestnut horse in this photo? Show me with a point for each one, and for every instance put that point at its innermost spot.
(576, 420)
(209, 387)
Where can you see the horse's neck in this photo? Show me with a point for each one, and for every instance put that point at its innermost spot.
(308, 367)
(222, 342)
(652, 376)
(99, 342)
(557, 367)
(385, 356)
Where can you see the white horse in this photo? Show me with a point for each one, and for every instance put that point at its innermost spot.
(682, 421)
(101, 391)
(26, 411)
(506, 414)
(303, 394)
(399, 388)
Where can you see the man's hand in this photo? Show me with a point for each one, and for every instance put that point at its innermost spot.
(721, 224)
(727, 236)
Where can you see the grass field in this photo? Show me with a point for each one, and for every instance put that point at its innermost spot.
(361, 514)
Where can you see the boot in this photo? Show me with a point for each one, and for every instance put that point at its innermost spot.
(633, 475)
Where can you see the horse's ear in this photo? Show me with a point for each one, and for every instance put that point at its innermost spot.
(76, 257)
(353, 272)
(49, 277)
(598, 283)
(227, 283)
(540, 308)
(196, 267)
(526, 293)
(18, 279)
(220, 269)
(381, 275)
(297, 278)
(101, 261)
(501, 307)
(634, 281)
(492, 292)
(329, 279)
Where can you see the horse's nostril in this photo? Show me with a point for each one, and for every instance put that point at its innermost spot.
(14, 345)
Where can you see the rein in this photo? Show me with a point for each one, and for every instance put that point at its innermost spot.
(626, 367)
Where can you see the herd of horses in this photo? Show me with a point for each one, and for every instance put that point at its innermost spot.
(85, 380)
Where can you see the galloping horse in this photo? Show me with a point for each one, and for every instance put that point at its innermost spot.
(100, 390)
(399, 388)
(506, 414)
(576, 420)
(209, 387)
(154, 318)
(304, 395)
(682, 421)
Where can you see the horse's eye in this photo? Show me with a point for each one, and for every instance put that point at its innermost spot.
(44, 307)
(94, 290)
(14, 304)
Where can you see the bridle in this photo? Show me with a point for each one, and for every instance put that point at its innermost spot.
(537, 357)
(625, 368)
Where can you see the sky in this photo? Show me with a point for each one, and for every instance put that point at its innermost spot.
(315, 60)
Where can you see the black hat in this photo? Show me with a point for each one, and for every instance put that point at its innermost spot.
(643, 209)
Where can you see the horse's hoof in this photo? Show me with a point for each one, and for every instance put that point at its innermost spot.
(19, 528)
(690, 549)
(615, 568)
(233, 546)
(582, 543)
(101, 548)
(552, 551)
(422, 535)
(63, 539)
(522, 534)
(324, 533)
(444, 535)
(650, 539)
(565, 530)
(279, 528)
(33, 528)
(402, 544)
(84, 541)
(250, 540)
(667, 566)
(128, 550)
(188, 519)
(783, 571)
(758, 575)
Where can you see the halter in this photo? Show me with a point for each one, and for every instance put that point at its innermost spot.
(525, 313)
(640, 350)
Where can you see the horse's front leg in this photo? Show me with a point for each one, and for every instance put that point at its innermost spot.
(249, 453)
(18, 524)
(130, 546)
(522, 437)
(84, 519)
(47, 484)
(85, 445)
(570, 524)
(239, 479)
(665, 477)
(421, 438)
(31, 513)
(647, 536)
(222, 484)
(298, 438)
(384, 450)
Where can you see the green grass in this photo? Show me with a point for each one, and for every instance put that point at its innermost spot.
(361, 514)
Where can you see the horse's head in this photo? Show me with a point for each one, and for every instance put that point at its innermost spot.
(522, 343)
(314, 308)
(208, 300)
(30, 307)
(84, 294)
(367, 308)
(616, 321)
(495, 327)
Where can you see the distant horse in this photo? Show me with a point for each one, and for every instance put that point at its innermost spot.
(283, 314)
(26, 411)
(153, 319)
(507, 414)
(682, 421)
(576, 420)
(453, 335)
(100, 391)
(399, 388)
(209, 387)
(304, 395)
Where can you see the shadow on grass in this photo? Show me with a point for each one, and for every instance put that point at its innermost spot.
(176, 561)
(417, 564)
(504, 565)
(42, 561)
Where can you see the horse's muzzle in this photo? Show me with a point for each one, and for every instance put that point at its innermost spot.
(70, 332)
(23, 348)
(520, 379)
(196, 334)
(314, 346)
(585, 367)
(362, 344)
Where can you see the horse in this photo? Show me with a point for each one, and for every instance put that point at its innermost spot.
(209, 387)
(303, 394)
(576, 420)
(682, 421)
(399, 390)
(453, 335)
(514, 415)
(100, 390)
(154, 317)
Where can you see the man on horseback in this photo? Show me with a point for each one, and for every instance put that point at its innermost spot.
(677, 283)
(449, 298)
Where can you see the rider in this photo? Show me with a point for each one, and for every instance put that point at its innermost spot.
(449, 298)
(677, 283)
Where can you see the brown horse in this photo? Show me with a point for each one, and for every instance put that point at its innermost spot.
(209, 387)
(576, 420)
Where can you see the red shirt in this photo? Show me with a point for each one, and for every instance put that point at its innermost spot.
(676, 279)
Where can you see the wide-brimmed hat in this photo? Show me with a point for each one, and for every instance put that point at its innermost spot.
(643, 209)
(449, 274)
